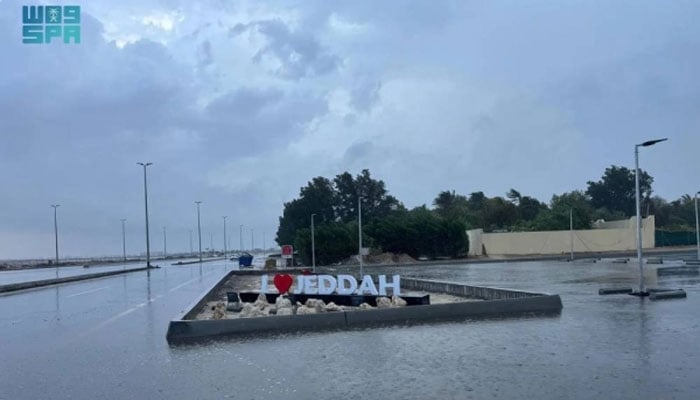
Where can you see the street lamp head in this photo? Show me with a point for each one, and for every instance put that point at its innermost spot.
(144, 164)
(55, 205)
(652, 142)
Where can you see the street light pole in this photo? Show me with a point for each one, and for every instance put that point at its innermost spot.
(191, 250)
(642, 289)
(55, 229)
(313, 244)
(252, 239)
(165, 244)
(359, 232)
(123, 239)
(571, 231)
(240, 237)
(199, 231)
(224, 218)
(697, 226)
(145, 198)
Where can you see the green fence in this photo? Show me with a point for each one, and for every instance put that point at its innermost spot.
(675, 238)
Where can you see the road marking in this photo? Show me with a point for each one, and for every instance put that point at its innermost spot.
(88, 291)
(140, 305)
(125, 313)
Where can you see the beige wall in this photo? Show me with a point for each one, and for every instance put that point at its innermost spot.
(559, 242)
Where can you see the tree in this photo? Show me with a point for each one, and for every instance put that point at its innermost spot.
(499, 214)
(419, 232)
(556, 217)
(334, 241)
(616, 190)
(317, 197)
(376, 202)
(451, 206)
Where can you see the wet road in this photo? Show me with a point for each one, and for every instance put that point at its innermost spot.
(36, 274)
(106, 339)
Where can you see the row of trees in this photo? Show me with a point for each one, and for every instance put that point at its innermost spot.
(387, 224)
(610, 198)
(441, 231)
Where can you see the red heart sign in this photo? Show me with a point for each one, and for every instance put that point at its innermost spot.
(283, 282)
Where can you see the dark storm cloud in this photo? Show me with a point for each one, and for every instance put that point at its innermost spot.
(299, 53)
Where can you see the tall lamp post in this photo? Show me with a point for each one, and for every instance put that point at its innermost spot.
(191, 251)
(313, 244)
(199, 231)
(252, 239)
(224, 218)
(123, 239)
(55, 229)
(240, 237)
(571, 231)
(642, 289)
(359, 233)
(165, 244)
(145, 198)
(697, 225)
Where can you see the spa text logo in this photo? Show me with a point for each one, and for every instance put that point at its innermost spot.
(41, 24)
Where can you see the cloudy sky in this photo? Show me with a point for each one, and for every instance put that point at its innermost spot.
(240, 103)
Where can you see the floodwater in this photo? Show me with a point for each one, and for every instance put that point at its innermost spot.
(619, 346)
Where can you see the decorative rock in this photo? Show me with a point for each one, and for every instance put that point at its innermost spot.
(317, 304)
(283, 302)
(253, 310)
(285, 311)
(219, 310)
(330, 307)
(235, 306)
(261, 301)
(397, 301)
(365, 306)
(247, 310)
(306, 310)
(382, 302)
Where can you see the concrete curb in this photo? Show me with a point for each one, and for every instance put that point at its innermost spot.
(13, 287)
(497, 302)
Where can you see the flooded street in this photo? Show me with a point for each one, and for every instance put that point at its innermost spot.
(600, 346)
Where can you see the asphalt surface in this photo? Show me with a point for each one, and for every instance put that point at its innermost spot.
(105, 338)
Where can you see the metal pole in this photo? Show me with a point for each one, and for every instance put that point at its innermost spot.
(165, 244)
(571, 231)
(123, 239)
(639, 220)
(252, 239)
(697, 226)
(55, 229)
(313, 244)
(211, 241)
(191, 250)
(637, 196)
(240, 237)
(199, 231)
(145, 198)
(224, 217)
(359, 232)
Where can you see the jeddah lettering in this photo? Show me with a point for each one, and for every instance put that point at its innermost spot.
(342, 285)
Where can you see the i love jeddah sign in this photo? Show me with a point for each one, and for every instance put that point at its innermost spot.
(329, 284)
